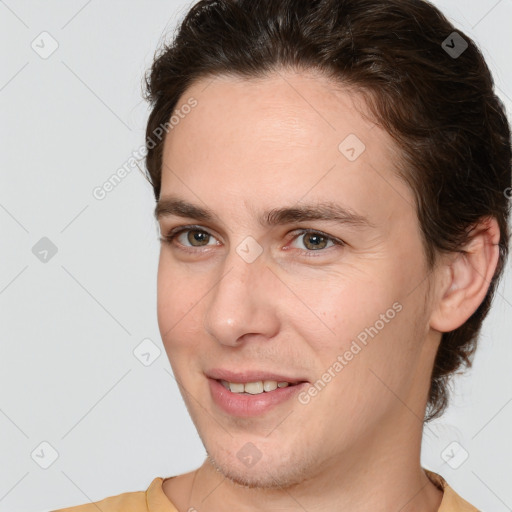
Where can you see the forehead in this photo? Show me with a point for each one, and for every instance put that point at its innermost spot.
(279, 139)
(282, 110)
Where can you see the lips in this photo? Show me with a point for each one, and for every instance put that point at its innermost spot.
(249, 397)
(246, 405)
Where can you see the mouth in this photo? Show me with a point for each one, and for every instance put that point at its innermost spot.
(249, 394)
(255, 388)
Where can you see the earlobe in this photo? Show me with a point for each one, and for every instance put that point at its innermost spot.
(466, 278)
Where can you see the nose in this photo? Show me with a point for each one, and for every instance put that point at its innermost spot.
(243, 303)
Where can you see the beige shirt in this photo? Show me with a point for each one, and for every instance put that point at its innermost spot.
(155, 500)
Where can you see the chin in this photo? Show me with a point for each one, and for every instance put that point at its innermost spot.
(276, 473)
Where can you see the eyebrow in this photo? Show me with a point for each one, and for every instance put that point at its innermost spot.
(326, 211)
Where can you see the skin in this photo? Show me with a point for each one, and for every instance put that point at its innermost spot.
(253, 145)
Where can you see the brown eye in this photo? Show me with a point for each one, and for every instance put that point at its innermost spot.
(197, 238)
(314, 241)
(189, 237)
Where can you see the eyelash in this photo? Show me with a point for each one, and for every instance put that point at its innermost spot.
(174, 233)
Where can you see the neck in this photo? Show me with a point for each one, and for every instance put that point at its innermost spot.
(383, 474)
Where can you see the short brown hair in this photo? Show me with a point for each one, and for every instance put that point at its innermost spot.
(440, 108)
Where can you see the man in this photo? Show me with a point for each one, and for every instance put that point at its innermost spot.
(330, 181)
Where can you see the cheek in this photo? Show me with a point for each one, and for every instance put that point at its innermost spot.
(178, 303)
(340, 307)
(365, 327)
(368, 357)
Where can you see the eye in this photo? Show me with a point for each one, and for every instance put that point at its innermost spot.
(316, 240)
(195, 236)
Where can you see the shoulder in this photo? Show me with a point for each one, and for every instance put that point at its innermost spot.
(452, 502)
(136, 501)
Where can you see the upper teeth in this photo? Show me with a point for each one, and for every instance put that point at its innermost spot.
(253, 388)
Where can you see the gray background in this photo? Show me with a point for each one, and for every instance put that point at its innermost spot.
(69, 325)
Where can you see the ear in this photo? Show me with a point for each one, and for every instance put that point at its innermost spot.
(465, 279)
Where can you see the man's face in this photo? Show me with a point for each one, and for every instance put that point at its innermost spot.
(244, 301)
